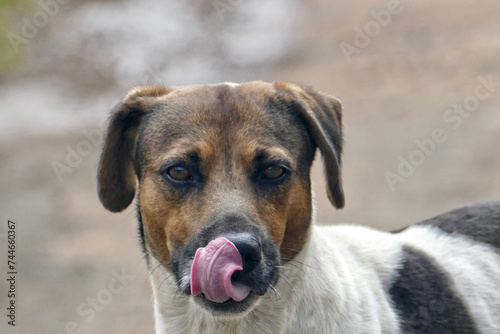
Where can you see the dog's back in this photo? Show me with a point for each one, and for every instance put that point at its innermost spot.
(450, 279)
(481, 222)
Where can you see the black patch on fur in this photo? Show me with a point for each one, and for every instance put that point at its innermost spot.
(425, 298)
(140, 230)
(481, 222)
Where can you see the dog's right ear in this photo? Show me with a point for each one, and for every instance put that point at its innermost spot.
(116, 179)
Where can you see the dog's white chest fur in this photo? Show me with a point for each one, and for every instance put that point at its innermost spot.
(340, 283)
(333, 286)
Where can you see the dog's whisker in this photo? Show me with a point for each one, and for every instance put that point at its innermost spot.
(219, 320)
(297, 266)
(292, 249)
(154, 269)
(284, 275)
(158, 267)
(258, 326)
(272, 287)
(286, 279)
(169, 275)
(284, 267)
(293, 261)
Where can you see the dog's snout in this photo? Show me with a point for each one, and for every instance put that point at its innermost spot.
(250, 254)
(249, 249)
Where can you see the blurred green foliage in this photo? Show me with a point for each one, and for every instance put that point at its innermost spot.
(11, 13)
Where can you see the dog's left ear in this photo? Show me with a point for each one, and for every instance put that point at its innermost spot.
(322, 114)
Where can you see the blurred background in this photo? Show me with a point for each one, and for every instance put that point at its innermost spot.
(419, 80)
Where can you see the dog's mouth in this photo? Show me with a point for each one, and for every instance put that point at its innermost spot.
(214, 272)
(229, 306)
(226, 273)
(226, 278)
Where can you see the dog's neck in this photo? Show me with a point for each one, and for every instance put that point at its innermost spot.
(176, 312)
(302, 301)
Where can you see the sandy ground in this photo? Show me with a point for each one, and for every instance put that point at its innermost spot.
(396, 91)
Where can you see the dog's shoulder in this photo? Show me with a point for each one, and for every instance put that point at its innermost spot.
(480, 221)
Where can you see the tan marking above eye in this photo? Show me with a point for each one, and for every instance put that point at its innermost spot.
(179, 173)
(273, 171)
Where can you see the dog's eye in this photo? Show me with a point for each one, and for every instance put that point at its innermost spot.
(179, 173)
(273, 172)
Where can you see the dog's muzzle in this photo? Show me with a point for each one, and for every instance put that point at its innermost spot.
(218, 267)
(229, 264)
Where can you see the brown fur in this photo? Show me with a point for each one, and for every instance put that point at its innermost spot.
(223, 131)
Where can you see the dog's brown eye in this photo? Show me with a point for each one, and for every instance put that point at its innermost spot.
(179, 173)
(273, 172)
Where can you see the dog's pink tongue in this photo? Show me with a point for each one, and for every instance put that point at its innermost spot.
(212, 269)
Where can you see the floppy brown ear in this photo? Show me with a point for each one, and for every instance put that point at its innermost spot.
(116, 179)
(322, 114)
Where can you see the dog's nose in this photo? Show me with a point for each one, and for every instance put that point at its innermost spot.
(250, 251)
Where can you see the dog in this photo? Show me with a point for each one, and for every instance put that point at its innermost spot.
(220, 174)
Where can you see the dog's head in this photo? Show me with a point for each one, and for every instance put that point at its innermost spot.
(223, 180)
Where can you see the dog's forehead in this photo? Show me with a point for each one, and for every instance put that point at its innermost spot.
(221, 102)
(252, 86)
(222, 114)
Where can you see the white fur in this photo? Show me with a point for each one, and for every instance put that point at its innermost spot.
(335, 285)
(231, 84)
(339, 283)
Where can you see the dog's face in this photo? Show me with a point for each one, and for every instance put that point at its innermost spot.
(223, 170)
